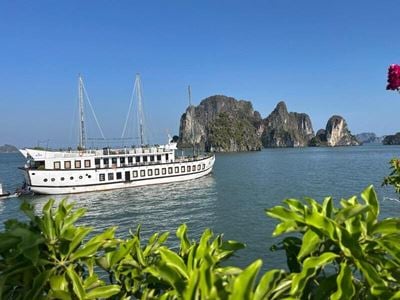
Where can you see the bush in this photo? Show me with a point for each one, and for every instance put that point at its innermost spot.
(336, 252)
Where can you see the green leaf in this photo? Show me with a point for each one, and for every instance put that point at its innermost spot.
(352, 211)
(243, 284)
(284, 214)
(310, 267)
(370, 198)
(80, 234)
(171, 259)
(103, 292)
(58, 283)
(71, 219)
(268, 283)
(345, 287)
(387, 226)
(309, 244)
(38, 285)
(77, 284)
(47, 221)
(86, 251)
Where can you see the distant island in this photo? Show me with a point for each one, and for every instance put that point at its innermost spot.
(392, 139)
(224, 124)
(369, 138)
(8, 149)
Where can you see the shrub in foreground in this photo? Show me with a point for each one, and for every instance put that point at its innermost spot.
(336, 252)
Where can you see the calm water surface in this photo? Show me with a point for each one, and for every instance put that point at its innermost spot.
(233, 199)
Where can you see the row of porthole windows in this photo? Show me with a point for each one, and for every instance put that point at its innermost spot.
(135, 174)
(63, 178)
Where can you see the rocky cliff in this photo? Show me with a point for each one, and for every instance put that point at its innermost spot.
(335, 134)
(284, 129)
(369, 138)
(220, 124)
(392, 139)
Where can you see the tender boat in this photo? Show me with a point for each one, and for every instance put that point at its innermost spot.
(85, 170)
(3, 194)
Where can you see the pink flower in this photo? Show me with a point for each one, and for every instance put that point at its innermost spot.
(393, 78)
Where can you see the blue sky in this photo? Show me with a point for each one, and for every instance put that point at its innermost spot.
(321, 57)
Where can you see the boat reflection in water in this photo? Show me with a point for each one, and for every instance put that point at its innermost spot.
(156, 207)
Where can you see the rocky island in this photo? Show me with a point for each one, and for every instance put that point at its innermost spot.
(393, 139)
(221, 124)
(284, 129)
(369, 138)
(224, 124)
(336, 133)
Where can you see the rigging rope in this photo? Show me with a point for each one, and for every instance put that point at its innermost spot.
(91, 107)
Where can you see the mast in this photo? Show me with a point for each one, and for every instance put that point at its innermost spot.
(191, 119)
(82, 130)
(140, 108)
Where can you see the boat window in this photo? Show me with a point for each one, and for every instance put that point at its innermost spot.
(156, 172)
(97, 162)
(81, 177)
(182, 169)
(53, 179)
(57, 165)
(151, 157)
(176, 169)
(170, 170)
(89, 176)
(193, 168)
(150, 172)
(87, 163)
(198, 167)
(62, 178)
(138, 159)
(45, 180)
(130, 159)
(119, 175)
(110, 176)
(71, 178)
(105, 162)
(144, 158)
(135, 174)
(188, 168)
(102, 177)
(77, 164)
(166, 157)
(39, 164)
(122, 160)
(142, 173)
(67, 164)
(204, 166)
(159, 157)
(164, 171)
(114, 160)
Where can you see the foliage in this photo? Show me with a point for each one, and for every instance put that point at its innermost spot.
(334, 252)
(394, 177)
(343, 251)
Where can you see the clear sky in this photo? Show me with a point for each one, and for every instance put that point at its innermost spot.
(321, 57)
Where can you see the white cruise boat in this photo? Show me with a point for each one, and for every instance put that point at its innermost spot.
(67, 172)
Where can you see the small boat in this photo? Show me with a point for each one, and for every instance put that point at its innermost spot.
(3, 194)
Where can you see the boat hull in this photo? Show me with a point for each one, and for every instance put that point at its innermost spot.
(133, 182)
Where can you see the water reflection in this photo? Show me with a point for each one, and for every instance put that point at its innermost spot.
(156, 207)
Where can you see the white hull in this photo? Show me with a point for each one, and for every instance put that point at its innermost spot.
(116, 185)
